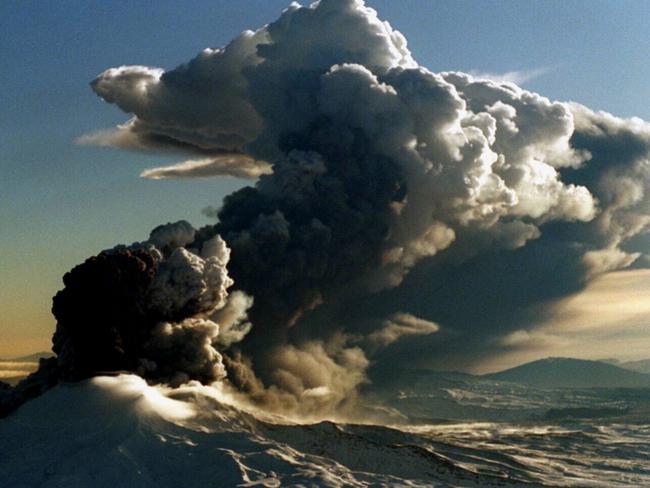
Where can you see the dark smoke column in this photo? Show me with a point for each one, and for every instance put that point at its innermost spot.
(145, 308)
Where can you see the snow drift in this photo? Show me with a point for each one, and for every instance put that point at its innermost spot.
(118, 431)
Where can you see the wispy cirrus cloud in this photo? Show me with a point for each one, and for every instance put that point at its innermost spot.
(518, 77)
(236, 165)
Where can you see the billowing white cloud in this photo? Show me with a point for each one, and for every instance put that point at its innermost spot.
(188, 282)
(233, 319)
(473, 154)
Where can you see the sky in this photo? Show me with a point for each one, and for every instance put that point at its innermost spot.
(61, 202)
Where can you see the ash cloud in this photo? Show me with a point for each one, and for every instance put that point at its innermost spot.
(146, 308)
(400, 325)
(391, 202)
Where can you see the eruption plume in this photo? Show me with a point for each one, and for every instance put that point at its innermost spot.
(390, 202)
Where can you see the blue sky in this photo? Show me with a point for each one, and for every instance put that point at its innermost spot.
(60, 202)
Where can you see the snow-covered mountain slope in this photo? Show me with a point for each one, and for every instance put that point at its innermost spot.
(119, 432)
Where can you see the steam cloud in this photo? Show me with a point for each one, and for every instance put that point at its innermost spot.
(390, 202)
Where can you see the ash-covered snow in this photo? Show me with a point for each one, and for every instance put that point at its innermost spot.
(118, 431)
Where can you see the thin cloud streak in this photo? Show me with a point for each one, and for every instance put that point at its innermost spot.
(518, 77)
(236, 165)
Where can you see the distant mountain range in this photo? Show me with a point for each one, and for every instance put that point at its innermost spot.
(30, 358)
(554, 372)
(642, 366)
(15, 369)
(572, 373)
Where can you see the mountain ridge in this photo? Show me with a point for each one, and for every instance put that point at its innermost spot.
(562, 372)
